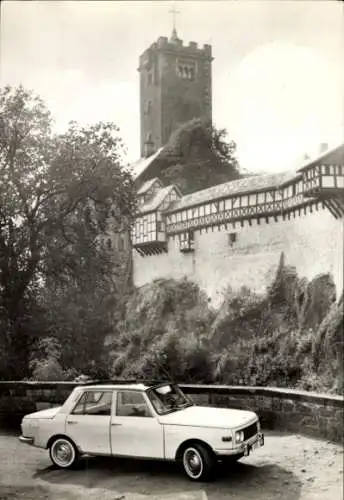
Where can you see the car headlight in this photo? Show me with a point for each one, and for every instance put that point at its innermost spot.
(239, 437)
(28, 426)
(31, 422)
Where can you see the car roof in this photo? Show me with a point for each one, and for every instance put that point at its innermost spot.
(123, 386)
(137, 387)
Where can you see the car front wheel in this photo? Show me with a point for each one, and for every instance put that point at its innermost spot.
(63, 453)
(198, 463)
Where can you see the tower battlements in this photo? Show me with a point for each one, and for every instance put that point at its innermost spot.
(178, 44)
(177, 47)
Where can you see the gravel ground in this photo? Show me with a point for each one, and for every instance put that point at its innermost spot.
(288, 467)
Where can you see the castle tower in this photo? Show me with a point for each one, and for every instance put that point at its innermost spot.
(175, 87)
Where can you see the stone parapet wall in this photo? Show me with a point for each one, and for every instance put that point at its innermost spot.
(318, 415)
(313, 414)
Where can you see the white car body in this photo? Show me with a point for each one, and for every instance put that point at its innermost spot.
(160, 436)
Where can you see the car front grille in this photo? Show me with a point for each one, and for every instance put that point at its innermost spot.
(250, 431)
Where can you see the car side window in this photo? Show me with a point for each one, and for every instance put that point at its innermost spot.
(131, 404)
(94, 403)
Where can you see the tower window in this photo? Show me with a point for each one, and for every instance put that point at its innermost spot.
(186, 71)
(150, 78)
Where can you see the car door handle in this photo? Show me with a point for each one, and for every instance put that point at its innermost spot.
(72, 422)
(115, 424)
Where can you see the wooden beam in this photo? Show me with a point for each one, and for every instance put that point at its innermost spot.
(328, 206)
(335, 207)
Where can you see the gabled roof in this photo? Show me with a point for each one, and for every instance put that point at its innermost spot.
(335, 152)
(154, 203)
(240, 186)
(142, 164)
(148, 184)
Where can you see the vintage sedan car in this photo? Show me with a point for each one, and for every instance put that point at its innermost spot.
(146, 421)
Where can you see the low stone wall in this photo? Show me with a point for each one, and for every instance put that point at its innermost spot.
(318, 415)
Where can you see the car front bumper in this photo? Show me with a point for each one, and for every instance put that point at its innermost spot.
(245, 448)
(26, 440)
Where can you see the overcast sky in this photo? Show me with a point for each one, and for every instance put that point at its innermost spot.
(278, 75)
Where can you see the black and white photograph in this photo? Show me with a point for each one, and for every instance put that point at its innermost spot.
(171, 249)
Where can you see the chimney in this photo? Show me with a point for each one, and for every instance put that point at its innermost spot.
(323, 147)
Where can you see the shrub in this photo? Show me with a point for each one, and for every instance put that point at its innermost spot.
(45, 361)
(164, 333)
(291, 336)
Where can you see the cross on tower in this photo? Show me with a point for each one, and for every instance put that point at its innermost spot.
(174, 13)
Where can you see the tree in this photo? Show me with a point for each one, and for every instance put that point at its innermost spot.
(199, 156)
(61, 198)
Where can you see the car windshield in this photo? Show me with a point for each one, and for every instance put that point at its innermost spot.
(168, 398)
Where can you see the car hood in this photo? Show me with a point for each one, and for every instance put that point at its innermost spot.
(204, 416)
(49, 413)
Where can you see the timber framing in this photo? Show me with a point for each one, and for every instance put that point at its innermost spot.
(252, 200)
(319, 183)
(151, 248)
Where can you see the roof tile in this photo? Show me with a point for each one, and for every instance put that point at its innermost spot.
(245, 185)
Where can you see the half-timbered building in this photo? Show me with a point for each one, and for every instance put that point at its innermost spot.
(233, 234)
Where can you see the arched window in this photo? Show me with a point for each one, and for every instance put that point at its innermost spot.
(186, 70)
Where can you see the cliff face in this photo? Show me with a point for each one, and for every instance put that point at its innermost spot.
(289, 336)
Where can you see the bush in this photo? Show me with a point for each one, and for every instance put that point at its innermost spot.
(288, 337)
(45, 361)
(164, 333)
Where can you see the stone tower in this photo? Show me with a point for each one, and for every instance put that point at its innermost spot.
(175, 86)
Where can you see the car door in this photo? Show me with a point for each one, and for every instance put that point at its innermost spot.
(88, 424)
(135, 430)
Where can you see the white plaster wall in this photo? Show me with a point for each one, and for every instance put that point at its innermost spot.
(313, 243)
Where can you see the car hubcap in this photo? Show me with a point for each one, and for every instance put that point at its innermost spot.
(63, 453)
(193, 463)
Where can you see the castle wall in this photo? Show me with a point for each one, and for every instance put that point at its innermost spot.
(313, 243)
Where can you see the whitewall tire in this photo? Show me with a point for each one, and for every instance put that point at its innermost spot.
(63, 453)
(198, 462)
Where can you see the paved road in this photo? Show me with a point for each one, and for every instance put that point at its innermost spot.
(287, 468)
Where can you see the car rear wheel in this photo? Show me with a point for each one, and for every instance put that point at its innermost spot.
(198, 463)
(63, 453)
